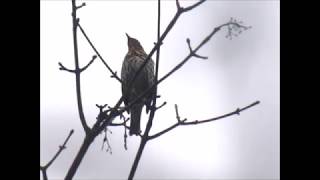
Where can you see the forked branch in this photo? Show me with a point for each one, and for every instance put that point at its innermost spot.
(61, 148)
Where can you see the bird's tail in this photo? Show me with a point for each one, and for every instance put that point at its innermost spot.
(135, 119)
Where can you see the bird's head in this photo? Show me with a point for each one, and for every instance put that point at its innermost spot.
(133, 44)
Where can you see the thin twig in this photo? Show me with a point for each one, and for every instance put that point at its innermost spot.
(163, 104)
(61, 148)
(183, 122)
(63, 68)
(89, 137)
(193, 6)
(83, 4)
(91, 61)
(75, 22)
(192, 52)
(114, 73)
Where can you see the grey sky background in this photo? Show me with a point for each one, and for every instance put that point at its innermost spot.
(237, 73)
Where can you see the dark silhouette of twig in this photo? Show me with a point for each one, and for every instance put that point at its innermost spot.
(76, 59)
(106, 140)
(114, 73)
(83, 4)
(61, 148)
(63, 68)
(192, 52)
(89, 137)
(90, 62)
(184, 121)
(163, 104)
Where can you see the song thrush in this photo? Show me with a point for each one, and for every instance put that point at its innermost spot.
(133, 60)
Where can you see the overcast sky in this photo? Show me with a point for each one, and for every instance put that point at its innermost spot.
(237, 73)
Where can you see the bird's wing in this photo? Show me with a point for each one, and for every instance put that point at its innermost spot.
(145, 79)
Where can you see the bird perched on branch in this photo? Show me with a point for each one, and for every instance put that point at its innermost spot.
(133, 60)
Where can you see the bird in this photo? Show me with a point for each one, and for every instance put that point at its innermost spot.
(133, 60)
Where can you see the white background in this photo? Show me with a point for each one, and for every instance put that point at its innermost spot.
(237, 73)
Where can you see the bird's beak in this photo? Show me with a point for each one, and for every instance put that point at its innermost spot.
(127, 36)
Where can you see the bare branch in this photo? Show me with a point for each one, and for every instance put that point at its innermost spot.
(125, 135)
(101, 107)
(178, 5)
(44, 173)
(192, 52)
(63, 68)
(111, 113)
(83, 4)
(204, 41)
(236, 112)
(85, 67)
(235, 28)
(183, 122)
(163, 104)
(106, 140)
(193, 6)
(62, 147)
(177, 114)
(114, 74)
(75, 22)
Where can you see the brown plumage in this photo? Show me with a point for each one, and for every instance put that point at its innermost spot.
(131, 64)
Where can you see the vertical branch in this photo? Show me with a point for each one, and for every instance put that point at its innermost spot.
(158, 49)
(145, 136)
(77, 69)
(89, 137)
